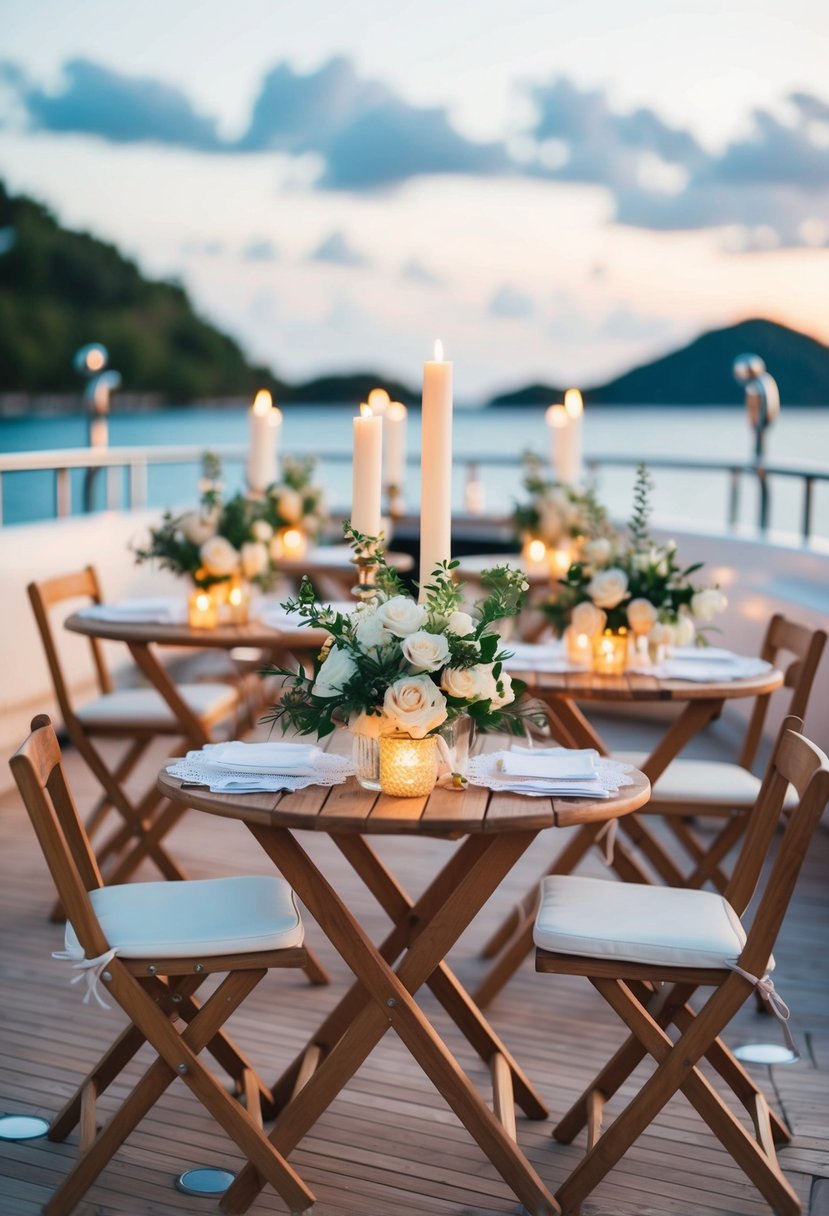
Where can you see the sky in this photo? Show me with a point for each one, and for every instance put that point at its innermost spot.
(558, 190)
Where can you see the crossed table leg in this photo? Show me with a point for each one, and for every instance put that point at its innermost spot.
(383, 997)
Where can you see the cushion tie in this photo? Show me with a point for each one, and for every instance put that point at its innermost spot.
(778, 1006)
(90, 970)
(608, 834)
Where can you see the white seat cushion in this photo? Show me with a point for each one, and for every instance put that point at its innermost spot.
(701, 781)
(632, 923)
(145, 707)
(196, 918)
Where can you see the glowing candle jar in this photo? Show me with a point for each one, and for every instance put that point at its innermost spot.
(578, 647)
(610, 652)
(534, 556)
(408, 767)
(238, 602)
(560, 559)
(293, 543)
(202, 610)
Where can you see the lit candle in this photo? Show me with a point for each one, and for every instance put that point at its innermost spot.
(534, 557)
(238, 603)
(202, 610)
(556, 418)
(574, 407)
(394, 444)
(294, 543)
(561, 559)
(435, 467)
(265, 426)
(578, 647)
(367, 473)
(610, 650)
(408, 767)
(378, 401)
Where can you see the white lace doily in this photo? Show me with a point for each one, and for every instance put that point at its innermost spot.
(610, 776)
(328, 770)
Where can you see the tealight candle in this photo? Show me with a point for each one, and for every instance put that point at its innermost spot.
(534, 556)
(294, 543)
(238, 603)
(202, 610)
(408, 767)
(561, 559)
(578, 647)
(610, 652)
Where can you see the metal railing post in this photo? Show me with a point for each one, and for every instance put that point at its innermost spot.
(63, 493)
(734, 499)
(808, 504)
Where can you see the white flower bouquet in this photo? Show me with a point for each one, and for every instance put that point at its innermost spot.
(555, 513)
(292, 502)
(394, 665)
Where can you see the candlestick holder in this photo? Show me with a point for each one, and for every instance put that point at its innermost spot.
(396, 505)
(366, 563)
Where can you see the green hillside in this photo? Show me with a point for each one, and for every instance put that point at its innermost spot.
(61, 289)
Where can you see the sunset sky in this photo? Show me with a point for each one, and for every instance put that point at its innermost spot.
(558, 190)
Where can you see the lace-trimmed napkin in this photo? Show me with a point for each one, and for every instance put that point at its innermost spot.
(538, 656)
(248, 768)
(139, 612)
(552, 772)
(705, 665)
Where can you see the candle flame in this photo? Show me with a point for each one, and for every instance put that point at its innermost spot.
(292, 539)
(235, 596)
(262, 402)
(202, 601)
(365, 410)
(438, 351)
(556, 416)
(573, 403)
(536, 550)
(378, 399)
(396, 411)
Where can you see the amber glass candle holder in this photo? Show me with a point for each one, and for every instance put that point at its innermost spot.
(578, 647)
(408, 767)
(291, 543)
(238, 602)
(202, 609)
(610, 652)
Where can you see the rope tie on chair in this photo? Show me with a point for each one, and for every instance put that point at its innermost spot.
(778, 1006)
(90, 970)
(608, 835)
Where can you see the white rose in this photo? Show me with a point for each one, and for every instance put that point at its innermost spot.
(662, 634)
(425, 651)
(588, 620)
(255, 559)
(607, 588)
(707, 603)
(402, 616)
(461, 624)
(503, 694)
(371, 633)
(552, 519)
(334, 673)
(289, 506)
(685, 631)
(261, 530)
(199, 527)
(415, 705)
(641, 616)
(597, 552)
(469, 683)
(219, 557)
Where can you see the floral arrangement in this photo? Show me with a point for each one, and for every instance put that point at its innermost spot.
(636, 584)
(293, 501)
(214, 543)
(556, 513)
(396, 665)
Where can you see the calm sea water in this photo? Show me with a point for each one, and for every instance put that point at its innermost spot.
(799, 436)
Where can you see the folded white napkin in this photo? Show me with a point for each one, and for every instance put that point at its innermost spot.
(566, 766)
(540, 656)
(710, 671)
(147, 611)
(288, 759)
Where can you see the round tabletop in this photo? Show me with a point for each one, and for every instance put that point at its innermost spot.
(336, 559)
(224, 637)
(445, 812)
(636, 686)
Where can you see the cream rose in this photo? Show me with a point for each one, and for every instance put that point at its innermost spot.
(425, 651)
(415, 705)
(371, 633)
(469, 683)
(641, 616)
(503, 692)
(255, 558)
(685, 631)
(597, 552)
(402, 616)
(219, 556)
(289, 506)
(707, 603)
(461, 624)
(198, 527)
(261, 530)
(334, 674)
(607, 588)
(588, 620)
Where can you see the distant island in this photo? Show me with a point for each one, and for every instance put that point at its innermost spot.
(60, 289)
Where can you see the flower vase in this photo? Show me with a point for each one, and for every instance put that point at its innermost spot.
(365, 753)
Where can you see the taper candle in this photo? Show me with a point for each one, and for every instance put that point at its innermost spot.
(435, 467)
(574, 407)
(367, 473)
(265, 427)
(394, 445)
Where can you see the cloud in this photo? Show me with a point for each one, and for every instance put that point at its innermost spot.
(338, 251)
(511, 304)
(211, 248)
(260, 251)
(123, 109)
(415, 272)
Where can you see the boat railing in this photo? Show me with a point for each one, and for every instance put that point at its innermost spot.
(126, 470)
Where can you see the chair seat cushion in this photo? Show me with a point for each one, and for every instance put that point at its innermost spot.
(701, 781)
(196, 918)
(632, 922)
(146, 708)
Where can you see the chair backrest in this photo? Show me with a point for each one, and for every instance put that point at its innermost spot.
(798, 762)
(39, 775)
(803, 646)
(82, 584)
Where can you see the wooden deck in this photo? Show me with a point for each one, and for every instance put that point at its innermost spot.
(389, 1145)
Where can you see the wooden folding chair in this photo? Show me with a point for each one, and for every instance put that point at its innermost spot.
(151, 946)
(136, 716)
(649, 949)
(696, 790)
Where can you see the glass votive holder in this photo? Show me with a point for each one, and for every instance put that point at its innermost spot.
(291, 543)
(578, 647)
(202, 609)
(560, 559)
(534, 556)
(238, 602)
(408, 767)
(610, 652)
